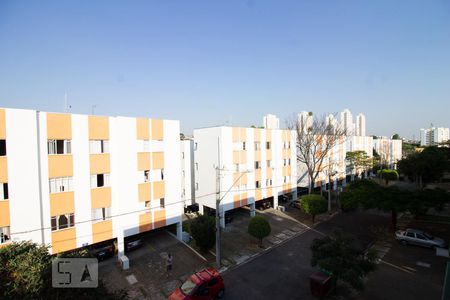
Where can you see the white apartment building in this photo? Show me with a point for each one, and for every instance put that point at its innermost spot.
(434, 135)
(390, 151)
(360, 125)
(271, 122)
(346, 119)
(246, 165)
(187, 172)
(75, 180)
(305, 120)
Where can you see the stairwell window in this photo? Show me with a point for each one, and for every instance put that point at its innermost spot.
(59, 146)
(257, 146)
(146, 175)
(257, 165)
(62, 221)
(99, 180)
(267, 145)
(98, 146)
(61, 184)
(4, 191)
(257, 184)
(162, 203)
(5, 235)
(268, 163)
(2, 147)
(101, 214)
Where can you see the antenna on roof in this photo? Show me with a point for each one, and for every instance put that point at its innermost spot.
(66, 105)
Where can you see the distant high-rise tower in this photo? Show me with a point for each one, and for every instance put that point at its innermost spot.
(434, 135)
(271, 122)
(347, 121)
(331, 121)
(361, 125)
(305, 120)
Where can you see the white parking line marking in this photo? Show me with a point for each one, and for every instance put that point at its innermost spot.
(423, 264)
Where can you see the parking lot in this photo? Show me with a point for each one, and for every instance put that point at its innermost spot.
(146, 278)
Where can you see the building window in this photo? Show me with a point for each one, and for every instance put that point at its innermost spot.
(267, 145)
(147, 204)
(61, 184)
(99, 180)
(162, 203)
(268, 182)
(289, 161)
(98, 146)
(162, 174)
(63, 221)
(196, 166)
(289, 145)
(236, 166)
(2, 147)
(195, 146)
(4, 191)
(243, 145)
(59, 147)
(257, 165)
(268, 163)
(257, 184)
(4, 235)
(182, 155)
(196, 186)
(146, 175)
(101, 214)
(257, 146)
(182, 172)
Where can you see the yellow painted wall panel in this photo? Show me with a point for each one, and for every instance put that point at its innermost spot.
(160, 218)
(143, 129)
(62, 203)
(3, 169)
(64, 240)
(144, 161)
(60, 165)
(157, 130)
(98, 128)
(99, 163)
(145, 191)
(145, 222)
(59, 126)
(2, 124)
(159, 190)
(101, 197)
(157, 160)
(102, 231)
(4, 213)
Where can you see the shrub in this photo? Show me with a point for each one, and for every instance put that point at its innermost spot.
(313, 205)
(259, 228)
(203, 230)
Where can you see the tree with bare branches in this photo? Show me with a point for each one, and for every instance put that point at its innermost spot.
(316, 138)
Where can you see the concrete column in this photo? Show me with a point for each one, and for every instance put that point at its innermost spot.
(120, 244)
(294, 194)
(200, 209)
(180, 230)
(252, 210)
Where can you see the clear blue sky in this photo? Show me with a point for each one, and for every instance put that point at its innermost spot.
(208, 62)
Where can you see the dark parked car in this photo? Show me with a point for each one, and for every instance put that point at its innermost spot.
(262, 205)
(133, 243)
(103, 251)
(206, 284)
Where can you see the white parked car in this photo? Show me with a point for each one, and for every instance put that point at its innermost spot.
(420, 238)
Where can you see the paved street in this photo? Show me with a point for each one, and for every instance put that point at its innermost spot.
(283, 272)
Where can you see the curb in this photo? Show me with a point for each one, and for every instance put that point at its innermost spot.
(193, 250)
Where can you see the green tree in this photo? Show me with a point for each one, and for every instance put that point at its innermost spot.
(26, 273)
(203, 230)
(358, 161)
(259, 228)
(340, 255)
(396, 136)
(313, 205)
(388, 175)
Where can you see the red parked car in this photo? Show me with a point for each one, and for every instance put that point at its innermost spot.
(206, 284)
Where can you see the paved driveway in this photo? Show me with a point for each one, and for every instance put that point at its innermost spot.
(283, 272)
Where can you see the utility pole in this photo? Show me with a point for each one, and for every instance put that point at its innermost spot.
(329, 183)
(218, 245)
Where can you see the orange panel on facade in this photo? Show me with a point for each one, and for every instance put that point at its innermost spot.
(286, 153)
(2, 124)
(157, 160)
(257, 133)
(236, 157)
(98, 128)
(157, 130)
(258, 194)
(143, 129)
(237, 201)
(269, 192)
(60, 165)
(59, 126)
(159, 190)
(286, 170)
(4, 213)
(62, 203)
(143, 161)
(3, 169)
(145, 191)
(268, 135)
(101, 197)
(160, 218)
(145, 222)
(64, 240)
(258, 174)
(258, 155)
(244, 199)
(102, 231)
(269, 173)
(99, 163)
(269, 154)
(243, 157)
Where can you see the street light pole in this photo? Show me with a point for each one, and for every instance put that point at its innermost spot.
(218, 246)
